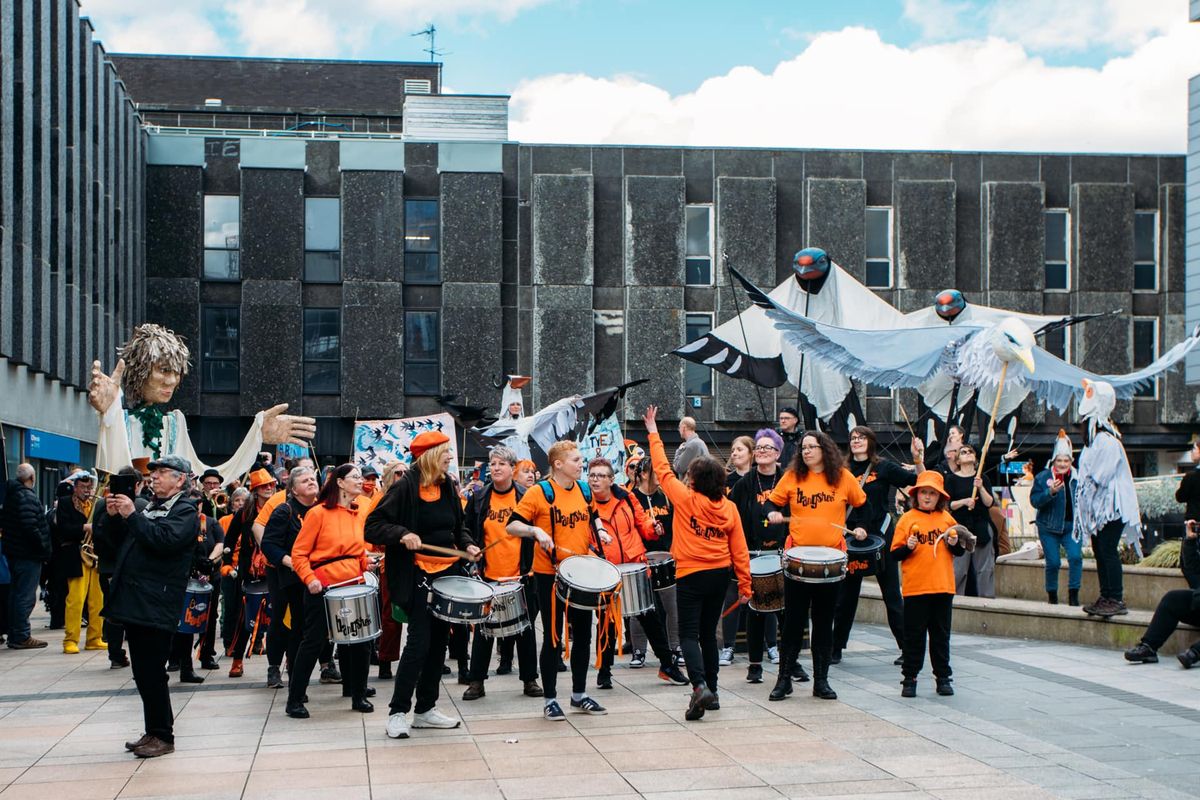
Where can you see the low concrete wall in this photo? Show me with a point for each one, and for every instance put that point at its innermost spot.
(1025, 580)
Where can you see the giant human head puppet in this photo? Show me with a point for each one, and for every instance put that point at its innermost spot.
(156, 359)
(949, 304)
(812, 268)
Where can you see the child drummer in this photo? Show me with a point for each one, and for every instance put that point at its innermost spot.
(925, 543)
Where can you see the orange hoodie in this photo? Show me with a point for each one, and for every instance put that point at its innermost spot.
(330, 546)
(627, 523)
(707, 534)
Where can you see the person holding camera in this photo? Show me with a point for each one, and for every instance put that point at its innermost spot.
(1053, 495)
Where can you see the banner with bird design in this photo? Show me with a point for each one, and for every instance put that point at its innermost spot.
(378, 442)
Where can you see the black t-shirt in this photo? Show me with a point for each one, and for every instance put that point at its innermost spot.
(878, 484)
(436, 520)
(975, 520)
(750, 496)
(659, 509)
(732, 478)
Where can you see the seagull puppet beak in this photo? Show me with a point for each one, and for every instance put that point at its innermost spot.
(1025, 356)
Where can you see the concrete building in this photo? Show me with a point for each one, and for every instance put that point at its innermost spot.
(1193, 206)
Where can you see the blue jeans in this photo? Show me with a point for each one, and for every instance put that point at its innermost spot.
(22, 595)
(1051, 542)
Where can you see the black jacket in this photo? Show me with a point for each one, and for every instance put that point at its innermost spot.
(394, 517)
(477, 510)
(753, 508)
(66, 534)
(106, 551)
(240, 539)
(279, 534)
(1189, 551)
(881, 478)
(154, 559)
(23, 520)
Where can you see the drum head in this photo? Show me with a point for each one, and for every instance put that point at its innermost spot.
(867, 546)
(817, 555)
(659, 556)
(350, 592)
(587, 572)
(765, 565)
(466, 589)
(198, 587)
(511, 587)
(256, 587)
(627, 568)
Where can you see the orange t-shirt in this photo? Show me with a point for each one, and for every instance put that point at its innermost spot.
(224, 522)
(706, 533)
(923, 572)
(818, 510)
(329, 546)
(504, 559)
(621, 519)
(273, 502)
(571, 526)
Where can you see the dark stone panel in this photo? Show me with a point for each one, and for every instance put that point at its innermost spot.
(1009, 167)
(8, 206)
(833, 164)
(1172, 169)
(320, 295)
(508, 211)
(525, 243)
(701, 179)
(878, 171)
(1056, 175)
(925, 228)
(420, 154)
(562, 229)
(653, 160)
(321, 405)
(1147, 305)
(472, 228)
(608, 172)
(1099, 169)
(322, 176)
(654, 234)
(610, 349)
(737, 400)
(1178, 399)
(220, 293)
(174, 222)
(418, 296)
(272, 229)
(1102, 239)
(1016, 300)
(372, 376)
(222, 166)
(510, 264)
(922, 166)
(508, 162)
(176, 306)
(655, 325)
(373, 226)
(789, 223)
(1143, 174)
(1013, 237)
(608, 298)
(609, 238)
(968, 260)
(1105, 346)
(746, 228)
(421, 181)
(562, 314)
(524, 172)
(525, 342)
(471, 343)
(913, 299)
(214, 405)
(743, 163)
(1172, 223)
(702, 298)
(564, 160)
(1056, 303)
(271, 312)
(836, 221)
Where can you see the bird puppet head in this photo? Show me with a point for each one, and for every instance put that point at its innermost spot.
(949, 304)
(1012, 340)
(811, 263)
(1098, 401)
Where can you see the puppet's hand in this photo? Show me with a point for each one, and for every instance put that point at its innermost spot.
(280, 428)
(104, 389)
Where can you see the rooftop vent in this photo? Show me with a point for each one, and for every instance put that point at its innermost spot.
(212, 102)
(418, 86)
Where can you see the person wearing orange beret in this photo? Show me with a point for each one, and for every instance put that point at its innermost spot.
(245, 564)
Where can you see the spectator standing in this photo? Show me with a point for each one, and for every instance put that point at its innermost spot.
(690, 448)
(1053, 495)
(26, 546)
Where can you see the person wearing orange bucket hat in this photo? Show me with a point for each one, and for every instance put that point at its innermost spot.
(925, 543)
(245, 565)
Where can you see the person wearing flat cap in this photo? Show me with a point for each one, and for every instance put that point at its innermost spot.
(422, 508)
(154, 550)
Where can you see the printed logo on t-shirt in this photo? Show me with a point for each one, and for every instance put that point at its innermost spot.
(568, 520)
(926, 537)
(499, 515)
(815, 499)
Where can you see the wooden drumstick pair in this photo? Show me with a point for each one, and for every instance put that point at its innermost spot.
(449, 551)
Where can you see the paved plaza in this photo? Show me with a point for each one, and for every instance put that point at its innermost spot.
(1030, 720)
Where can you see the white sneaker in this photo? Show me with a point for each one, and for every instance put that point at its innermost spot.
(726, 657)
(773, 654)
(397, 726)
(434, 719)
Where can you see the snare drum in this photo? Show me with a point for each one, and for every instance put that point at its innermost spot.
(814, 564)
(586, 582)
(766, 584)
(510, 612)
(197, 604)
(461, 600)
(637, 593)
(662, 569)
(864, 558)
(352, 614)
(256, 600)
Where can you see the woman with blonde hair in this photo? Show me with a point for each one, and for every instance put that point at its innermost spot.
(420, 508)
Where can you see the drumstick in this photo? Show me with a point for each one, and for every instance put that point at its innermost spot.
(448, 551)
(731, 609)
(490, 546)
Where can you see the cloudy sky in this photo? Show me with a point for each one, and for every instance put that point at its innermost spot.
(1038, 75)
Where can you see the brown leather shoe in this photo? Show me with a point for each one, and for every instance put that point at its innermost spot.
(131, 746)
(29, 644)
(474, 691)
(533, 690)
(235, 669)
(154, 748)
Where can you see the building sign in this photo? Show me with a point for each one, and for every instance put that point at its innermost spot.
(51, 447)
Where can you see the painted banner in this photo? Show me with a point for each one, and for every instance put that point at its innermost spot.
(606, 441)
(378, 442)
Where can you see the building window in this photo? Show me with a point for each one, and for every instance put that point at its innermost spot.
(1058, 343)
(322, 350)
(1145, 350)
(1145, 251)
(876, 392)
(222, 222)
(322, 239)
(219, 350)
(699, 245)
(1057, 248)
(422, 350)
(879, 248)
(697, 378)
(422, 242)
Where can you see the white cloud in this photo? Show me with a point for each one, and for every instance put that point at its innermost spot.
(938, 20)
(150, 26)
(849, 89)
(284, 28)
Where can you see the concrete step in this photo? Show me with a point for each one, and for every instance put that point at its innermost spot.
(1029, 619)
(1026, 580)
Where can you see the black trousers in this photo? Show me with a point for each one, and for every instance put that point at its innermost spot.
(149, 649)
(1106, 546)
(277, 633)
(241, 636)
(1174, 607)
(526, 644)
(293, 600)
(847, 605)
(656, 637)
(181, 653)
(927, 616)
(355, 658)
(579, 621)
(419, 670)
(799, 600)
(208, 641)
(114, 633)
(700, 597)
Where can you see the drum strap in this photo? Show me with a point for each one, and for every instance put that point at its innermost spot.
(318, 564)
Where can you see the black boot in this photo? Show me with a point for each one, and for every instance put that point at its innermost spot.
(1073, 597)
(821, 687)
(1052, 597)
(1188, 658)
(798, 673)
(783, 686)
(836, 658)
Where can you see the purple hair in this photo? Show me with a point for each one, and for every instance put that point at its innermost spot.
(768, 433)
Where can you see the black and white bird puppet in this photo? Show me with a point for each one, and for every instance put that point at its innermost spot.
(974, 353)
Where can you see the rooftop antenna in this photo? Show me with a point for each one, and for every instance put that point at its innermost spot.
(431, 32)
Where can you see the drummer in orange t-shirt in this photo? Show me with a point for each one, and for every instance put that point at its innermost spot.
(817, 490)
